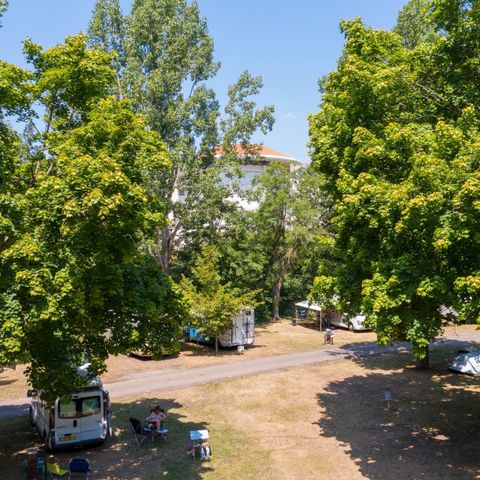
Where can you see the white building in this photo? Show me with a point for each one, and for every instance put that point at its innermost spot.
(257, 165)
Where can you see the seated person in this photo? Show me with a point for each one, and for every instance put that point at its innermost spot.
(157, 418)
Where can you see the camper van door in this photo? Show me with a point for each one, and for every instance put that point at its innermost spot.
(67, 424)
(81, 418)
(91, 421)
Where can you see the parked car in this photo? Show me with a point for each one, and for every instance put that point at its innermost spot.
(82, 419)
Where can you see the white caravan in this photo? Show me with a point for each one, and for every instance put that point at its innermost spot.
(79, 420)
(242, 331)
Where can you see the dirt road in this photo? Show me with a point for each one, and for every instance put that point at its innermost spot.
(175, 378)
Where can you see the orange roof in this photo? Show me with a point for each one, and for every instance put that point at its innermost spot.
(260, 149)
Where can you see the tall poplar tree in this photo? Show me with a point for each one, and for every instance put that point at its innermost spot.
(165, 60)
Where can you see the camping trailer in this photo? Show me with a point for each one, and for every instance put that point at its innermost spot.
(241, 333)
(332, 316)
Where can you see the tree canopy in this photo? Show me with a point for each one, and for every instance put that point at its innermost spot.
(397, 141)
(76, 280)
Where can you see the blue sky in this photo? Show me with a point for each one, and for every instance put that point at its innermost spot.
(291, 44)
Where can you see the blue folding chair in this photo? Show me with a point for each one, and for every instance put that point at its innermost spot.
(79, 468)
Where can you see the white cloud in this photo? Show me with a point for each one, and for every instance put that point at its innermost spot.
(289, 115)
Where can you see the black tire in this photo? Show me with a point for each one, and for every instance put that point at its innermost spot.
(351, 327)
(49, 442)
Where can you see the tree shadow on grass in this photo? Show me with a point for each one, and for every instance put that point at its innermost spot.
(430, 428)
(115, 459)
(365, 353)
(6, 382)
(206, 350)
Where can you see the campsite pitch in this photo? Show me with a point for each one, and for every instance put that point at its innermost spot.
(328, 421)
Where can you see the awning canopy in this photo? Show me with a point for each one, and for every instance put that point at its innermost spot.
(308, 306)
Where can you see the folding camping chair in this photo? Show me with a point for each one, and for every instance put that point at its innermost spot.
(139, 432)
(54, 471)
(79, 468)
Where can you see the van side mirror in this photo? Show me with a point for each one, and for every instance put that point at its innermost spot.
(31, 393)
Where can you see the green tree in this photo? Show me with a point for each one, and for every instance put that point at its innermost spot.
(397, 140)
(212, 304)
(413, 23)
(309, 235)
(288, 222)
(76, 280)
(274, 193)
(168, 58)
(275, 248)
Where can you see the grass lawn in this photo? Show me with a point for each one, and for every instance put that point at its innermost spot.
(326, 421)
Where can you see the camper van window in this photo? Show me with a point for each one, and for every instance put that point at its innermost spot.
(67, 409)
(90, 406)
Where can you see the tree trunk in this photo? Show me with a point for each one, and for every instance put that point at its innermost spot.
(276, 297)
(216, 346)
(165, 250)
(423, 363)
(277, 288)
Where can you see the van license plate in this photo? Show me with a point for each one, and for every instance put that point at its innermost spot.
(67, 438)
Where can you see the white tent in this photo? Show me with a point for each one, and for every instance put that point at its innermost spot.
(308, 306)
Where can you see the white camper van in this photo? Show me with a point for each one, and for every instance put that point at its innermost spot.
(332, 316)
(82, 419)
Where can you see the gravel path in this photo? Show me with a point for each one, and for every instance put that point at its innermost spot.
(173, 379)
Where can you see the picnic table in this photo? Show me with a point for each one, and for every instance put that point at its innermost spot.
(199, 439)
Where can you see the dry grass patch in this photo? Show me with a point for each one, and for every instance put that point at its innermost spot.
(326, 421)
